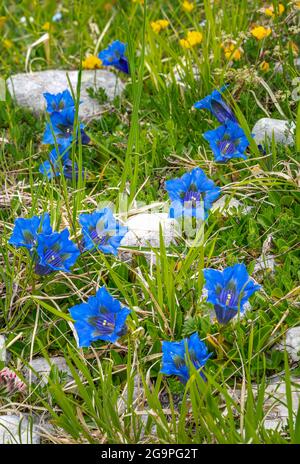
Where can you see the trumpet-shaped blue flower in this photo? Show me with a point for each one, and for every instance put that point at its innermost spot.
(25, 232)
(229, 290)
(175, 359)
(71, 169)
(114, 55)
(60, 129)
(101, 230)
(100, 318)
(59, 163)
(217, 106)
(192, 194)
(227, 141)
(59, 101)
(52, 168)
(57, 17)
(55, 252)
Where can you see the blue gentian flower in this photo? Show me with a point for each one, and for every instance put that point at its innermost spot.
(229, 290)
(101, 318)
(227, 141)
(59, 101)
(70, 170)
(62, 130)
(51, 168)
(114, 55)
(175, 360)
(217, 106)
(192, 194)
(55, 252)
(57, 17)
(101, 230)
(59, 162)
(26, 231)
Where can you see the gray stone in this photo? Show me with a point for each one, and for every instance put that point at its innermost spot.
(28, 89)
(18, 430)
(40, 370)
(265, 128)
(3, 357)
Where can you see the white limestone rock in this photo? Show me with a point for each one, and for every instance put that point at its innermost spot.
(291, 343)
(40, 370)
(138, 395)
(275, 404)
(264, 263)
(265, 128)
(139, 404)
(18, 430)
(228, 207)
(143, 230)
(182, 73)
(28, 89)
(3, 357)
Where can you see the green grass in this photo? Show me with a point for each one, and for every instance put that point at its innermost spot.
(151, 135)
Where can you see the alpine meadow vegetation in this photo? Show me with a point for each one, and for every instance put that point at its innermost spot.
(150, 223)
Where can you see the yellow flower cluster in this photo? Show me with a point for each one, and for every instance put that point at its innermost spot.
(193, 38)
(270, 10)
(141, 2)
(261, 32)
(188, 6)
(264, 66)
(2, 20)
(231, 51)
(92, 62)
(159, 25)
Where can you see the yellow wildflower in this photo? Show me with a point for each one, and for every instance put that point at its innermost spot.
(7, 43)
(270, 11)
(261, 32)
(193, 38)
(264, 66)
(188, 6)
(297, 5)
(141, 2)
(92, 62)
(46, 26)
(159, 25)
(231, 51)
(2, 20)
(184, 43)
